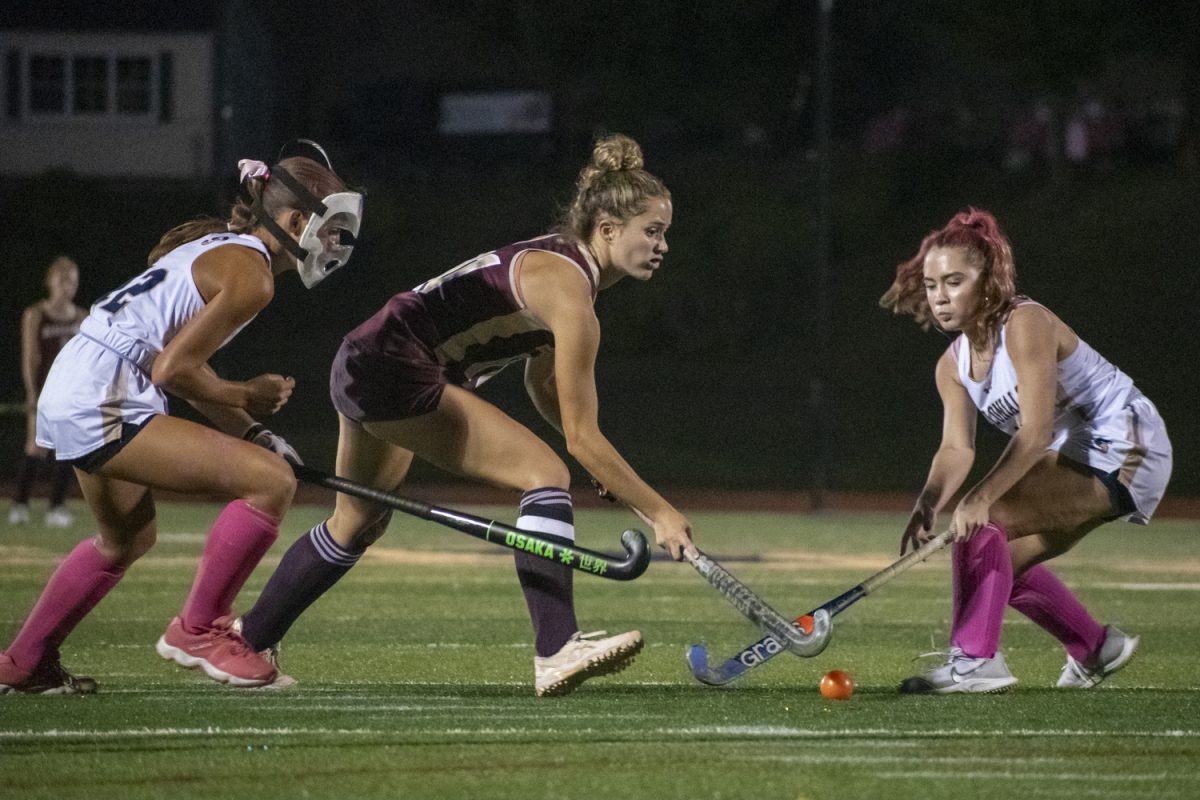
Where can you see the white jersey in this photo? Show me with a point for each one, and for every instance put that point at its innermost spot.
(1100, 418)
(101, 379)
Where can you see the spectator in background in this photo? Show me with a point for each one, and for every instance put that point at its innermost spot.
(887, 132)
(1094, 132)
(45, 328)
(1031, 138)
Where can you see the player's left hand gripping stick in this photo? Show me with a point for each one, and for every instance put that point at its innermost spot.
(800, 642)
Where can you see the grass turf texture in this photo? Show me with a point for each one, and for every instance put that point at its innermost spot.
(416, 679)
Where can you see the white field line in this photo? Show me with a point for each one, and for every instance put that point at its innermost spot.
(127, 733)
(178, 536)
(1081, 777)
(778, 559)
(172, 690)
(859, 758)
(783, 732)
(1150, 587)
(748, 731)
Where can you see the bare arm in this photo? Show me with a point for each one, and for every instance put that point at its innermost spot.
(561, 298)
(229, 419)
(1032, 335)
(956, 453)
(236, 285)
(30, 351)
(954, 457)
(539, 383)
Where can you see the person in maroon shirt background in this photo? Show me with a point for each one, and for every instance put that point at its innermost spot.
(45, 328)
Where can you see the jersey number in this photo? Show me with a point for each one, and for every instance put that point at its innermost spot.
(116, 300)
(481, 262)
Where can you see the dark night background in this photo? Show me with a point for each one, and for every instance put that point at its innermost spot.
(724, 371)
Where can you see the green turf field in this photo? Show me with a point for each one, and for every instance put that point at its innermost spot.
(416, 679)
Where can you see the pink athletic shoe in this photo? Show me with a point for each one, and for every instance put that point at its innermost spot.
(219, 651)
(49, 677)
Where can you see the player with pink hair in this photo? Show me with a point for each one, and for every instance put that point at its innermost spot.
(1087, 447)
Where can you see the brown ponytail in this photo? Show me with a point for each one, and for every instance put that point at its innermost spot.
(275, 196)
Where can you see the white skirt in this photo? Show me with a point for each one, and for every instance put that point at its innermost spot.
(90, 393)
(1133, 443)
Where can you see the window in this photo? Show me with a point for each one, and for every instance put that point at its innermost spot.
(88, 84)
(47, 84)
(91, 84)
(133, 85)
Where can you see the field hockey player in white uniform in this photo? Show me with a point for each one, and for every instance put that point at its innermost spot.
(1087, 448)
(104, 410)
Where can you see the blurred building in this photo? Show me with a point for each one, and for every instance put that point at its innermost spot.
(107, 103)
(155, 91)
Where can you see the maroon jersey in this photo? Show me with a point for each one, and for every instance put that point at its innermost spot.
(461, 327)
(473, 317)
(52, 335)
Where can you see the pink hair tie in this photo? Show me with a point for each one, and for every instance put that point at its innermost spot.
(253, 169)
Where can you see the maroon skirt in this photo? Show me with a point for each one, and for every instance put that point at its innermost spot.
(386, 370)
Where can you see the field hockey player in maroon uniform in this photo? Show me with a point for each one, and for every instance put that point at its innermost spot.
(46, 326)
(402, 384)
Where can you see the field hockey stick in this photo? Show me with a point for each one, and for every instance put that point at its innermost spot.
(785, 633)
(769, 646)
(804, 643)
(551, 548)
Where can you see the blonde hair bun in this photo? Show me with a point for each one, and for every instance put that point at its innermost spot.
(613, 183)
(617, 152)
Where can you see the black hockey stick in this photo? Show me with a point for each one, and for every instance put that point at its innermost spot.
(551, 548)
(769, 646)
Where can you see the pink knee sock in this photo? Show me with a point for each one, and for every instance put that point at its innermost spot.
(79, 583)
(982, 570)
(1041, 596)
(239, 539)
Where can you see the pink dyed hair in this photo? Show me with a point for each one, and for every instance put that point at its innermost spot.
(977, 234)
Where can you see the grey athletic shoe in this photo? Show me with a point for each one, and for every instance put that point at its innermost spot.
(962, 674)
(271, 654)
(282, 680)
(1113, 654)
(585, 655)
(18, 514)
(59, 517)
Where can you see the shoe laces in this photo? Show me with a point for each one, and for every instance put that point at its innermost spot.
(1078, 670)
(58, 673)
(582, 640)
(950, 655)
(270, 652)
(591, 635)
(51, 673)
(225, 631)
